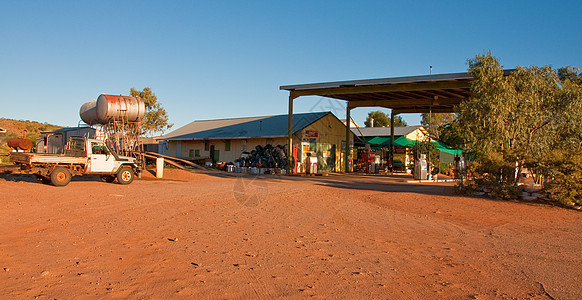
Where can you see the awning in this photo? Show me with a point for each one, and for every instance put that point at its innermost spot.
(444, 148)
(381, 142)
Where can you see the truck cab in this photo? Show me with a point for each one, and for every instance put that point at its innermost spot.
(101, 159)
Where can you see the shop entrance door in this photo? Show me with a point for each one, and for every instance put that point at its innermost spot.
(326, 157)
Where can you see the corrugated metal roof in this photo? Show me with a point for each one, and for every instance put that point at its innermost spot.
(383, 131)
(392, 80)
(251, 127)
(65, 129)
(411, 94)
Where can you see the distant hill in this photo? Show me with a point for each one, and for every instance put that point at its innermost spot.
(15, 129)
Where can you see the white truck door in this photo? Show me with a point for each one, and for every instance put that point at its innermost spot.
(101, 161)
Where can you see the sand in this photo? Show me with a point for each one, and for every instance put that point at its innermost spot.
(217, 236)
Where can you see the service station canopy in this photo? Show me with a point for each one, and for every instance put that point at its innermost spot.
(413, 94)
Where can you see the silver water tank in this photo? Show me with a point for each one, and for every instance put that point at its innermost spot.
(120, 108)
(88, 113)
(109, 108)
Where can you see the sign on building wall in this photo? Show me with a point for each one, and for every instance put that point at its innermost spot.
(311, 133)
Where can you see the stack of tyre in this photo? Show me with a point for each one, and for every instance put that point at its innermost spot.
(268, 156)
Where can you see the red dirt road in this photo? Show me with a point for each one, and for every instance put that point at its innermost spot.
(215, 236)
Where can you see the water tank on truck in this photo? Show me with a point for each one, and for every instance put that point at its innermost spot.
(109, 108)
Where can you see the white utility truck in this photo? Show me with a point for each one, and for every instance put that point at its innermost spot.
(82, 156)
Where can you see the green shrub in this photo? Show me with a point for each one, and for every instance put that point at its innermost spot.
(429, 149)
(445, 168)
(506, 192)
(492, 174)
(565, 177)
(468, 187)
(495, 169)
(496, 190)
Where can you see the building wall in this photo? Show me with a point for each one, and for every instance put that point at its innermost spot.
(189, 149)
(329, 130)
(417, 135)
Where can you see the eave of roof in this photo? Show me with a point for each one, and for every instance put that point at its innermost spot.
(379, 81)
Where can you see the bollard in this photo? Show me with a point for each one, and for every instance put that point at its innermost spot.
(159, 167)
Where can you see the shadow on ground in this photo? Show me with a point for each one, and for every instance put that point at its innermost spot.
(8, 175)
(381, 183)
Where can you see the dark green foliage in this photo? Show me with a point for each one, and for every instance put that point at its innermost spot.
(156, 119)
(452, 137)
(494, 174)
(518, 121)
(382, 120)
(494, 168)
(435, 123)
(432, 153)
(565, 172)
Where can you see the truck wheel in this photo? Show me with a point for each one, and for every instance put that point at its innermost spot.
(125, 175)
(60, 176)
(108, 178)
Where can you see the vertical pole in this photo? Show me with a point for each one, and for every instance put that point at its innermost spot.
(392, 115)
(348, 131)
(290, 134)
(159, 167)
(430, 166)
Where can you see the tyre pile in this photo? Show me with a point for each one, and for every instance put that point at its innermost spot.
(268, 156)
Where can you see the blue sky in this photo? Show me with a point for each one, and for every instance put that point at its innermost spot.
(224, 59)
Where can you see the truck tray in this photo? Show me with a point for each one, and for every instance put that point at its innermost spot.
(43, 158)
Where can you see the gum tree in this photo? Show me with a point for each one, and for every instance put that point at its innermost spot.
(155, 119)
(520, 119)
(435, 123)
(382, 120)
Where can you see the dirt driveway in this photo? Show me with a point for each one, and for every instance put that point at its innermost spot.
(215, 236)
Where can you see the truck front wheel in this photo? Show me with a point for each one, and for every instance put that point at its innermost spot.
(60, 176)
(125, 175)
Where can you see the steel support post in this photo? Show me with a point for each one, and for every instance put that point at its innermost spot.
(290, 135)
(392, 115)
(347, 148)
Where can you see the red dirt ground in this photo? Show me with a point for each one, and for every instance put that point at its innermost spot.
(194, 235)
